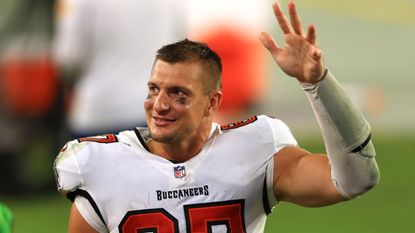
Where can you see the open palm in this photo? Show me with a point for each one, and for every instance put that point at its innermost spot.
(300, 57)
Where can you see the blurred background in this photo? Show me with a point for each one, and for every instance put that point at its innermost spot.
(55, 56)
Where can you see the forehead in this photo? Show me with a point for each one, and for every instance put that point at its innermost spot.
(178, 74)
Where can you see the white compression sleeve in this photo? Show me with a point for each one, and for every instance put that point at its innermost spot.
(346, 136)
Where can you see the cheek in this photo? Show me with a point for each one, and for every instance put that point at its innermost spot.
(197, 110)
(148, 104)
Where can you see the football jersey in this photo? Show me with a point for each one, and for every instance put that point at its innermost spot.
(226, 187)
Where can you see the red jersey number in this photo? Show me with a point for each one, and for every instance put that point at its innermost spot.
(200, 218)
(154, 220)
(106, 138)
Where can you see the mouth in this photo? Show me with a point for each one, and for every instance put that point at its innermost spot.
(162, 121)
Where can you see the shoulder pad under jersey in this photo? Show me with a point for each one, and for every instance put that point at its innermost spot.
(67, 172)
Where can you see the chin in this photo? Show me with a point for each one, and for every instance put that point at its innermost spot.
(162, 137)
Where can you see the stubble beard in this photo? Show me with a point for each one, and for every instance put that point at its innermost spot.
(174, 137)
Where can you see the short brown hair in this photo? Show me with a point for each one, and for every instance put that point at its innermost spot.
(191, 51)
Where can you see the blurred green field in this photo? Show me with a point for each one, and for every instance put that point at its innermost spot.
(387, 208)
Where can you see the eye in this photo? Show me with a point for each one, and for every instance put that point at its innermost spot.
(180, 96)
(152, 89)
(179, 93)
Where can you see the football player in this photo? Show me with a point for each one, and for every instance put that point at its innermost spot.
(185, 173)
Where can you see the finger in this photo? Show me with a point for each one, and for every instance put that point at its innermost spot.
(311, 34)
(317, 55)
(295, 19)
(269, 43)
(282, 20)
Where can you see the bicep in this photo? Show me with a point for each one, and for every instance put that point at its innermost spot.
(304, 178)
(77, 223)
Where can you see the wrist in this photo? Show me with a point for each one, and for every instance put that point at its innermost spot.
(308, 85)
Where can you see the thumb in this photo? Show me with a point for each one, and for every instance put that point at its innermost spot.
(317, 54)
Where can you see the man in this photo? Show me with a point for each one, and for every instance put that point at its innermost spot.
(187, 174)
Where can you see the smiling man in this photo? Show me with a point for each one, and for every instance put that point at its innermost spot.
(184, 92)
(185, 173)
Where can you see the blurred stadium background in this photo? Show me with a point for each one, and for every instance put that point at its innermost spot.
(369, 46)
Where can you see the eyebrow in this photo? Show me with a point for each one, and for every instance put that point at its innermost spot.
(172, 88)
(150, 83)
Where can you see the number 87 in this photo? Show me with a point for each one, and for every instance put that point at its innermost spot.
(199, 218)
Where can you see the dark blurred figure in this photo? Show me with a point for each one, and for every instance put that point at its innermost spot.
(30, 101)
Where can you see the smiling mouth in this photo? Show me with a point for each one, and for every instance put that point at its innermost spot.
(158, 121)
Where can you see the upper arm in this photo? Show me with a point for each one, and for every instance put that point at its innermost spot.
(77, 224)
(69, 178)
(304, 178)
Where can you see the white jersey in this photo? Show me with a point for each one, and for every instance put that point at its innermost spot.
(227, 187)
(113, 43)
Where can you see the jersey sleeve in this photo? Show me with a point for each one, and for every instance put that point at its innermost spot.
(67, 170)
(281, 134)
(281, 137)
(89, 214)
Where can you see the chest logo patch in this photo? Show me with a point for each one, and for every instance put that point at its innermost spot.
(179, 171)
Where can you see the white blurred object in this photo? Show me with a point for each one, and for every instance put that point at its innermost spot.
(113, 43)
(242, 14)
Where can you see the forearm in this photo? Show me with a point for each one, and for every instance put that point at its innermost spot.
(346, 136)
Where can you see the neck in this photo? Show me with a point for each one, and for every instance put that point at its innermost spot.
(182, 150)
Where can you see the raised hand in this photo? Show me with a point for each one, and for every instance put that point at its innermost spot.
(300, 57)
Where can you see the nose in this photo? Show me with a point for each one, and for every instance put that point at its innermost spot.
(162, 102)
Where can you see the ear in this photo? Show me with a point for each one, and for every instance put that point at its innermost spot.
(215, 99)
